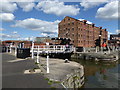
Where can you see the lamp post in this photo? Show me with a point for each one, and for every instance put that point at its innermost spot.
(33, 48)
(100, 42)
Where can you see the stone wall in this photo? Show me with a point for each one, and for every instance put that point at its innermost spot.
(75, 79)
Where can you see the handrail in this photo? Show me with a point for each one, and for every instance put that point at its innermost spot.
(53, 48)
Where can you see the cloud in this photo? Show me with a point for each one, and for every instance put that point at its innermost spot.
(44, 34)
(7, 7)
(2, 29)
(26, 38)
(4, 35)
(57, 8)
(51, 34)
(36, 24)
(7, 17)
(15, 32)
(109, 11)
(25, 5)
(7, 36)
(109, 33)
(117, 31)
(88, 22)
(92, 3)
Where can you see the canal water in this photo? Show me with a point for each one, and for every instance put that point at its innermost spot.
(100, 74)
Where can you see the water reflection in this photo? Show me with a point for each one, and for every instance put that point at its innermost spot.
(100, 74)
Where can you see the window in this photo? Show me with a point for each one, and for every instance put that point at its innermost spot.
(73, 29)
(72, 23)
(59, 26)
(68, 23)
(68, 18)
(73, 35)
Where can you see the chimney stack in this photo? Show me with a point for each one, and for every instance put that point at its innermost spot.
(93, 24)
(85, 21)
(100, 27)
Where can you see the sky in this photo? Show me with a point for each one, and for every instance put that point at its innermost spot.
(23, 20)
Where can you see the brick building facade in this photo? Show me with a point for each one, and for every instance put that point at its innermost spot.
(81, 33)
(114, 40)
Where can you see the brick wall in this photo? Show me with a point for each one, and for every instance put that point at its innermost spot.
(80, 33)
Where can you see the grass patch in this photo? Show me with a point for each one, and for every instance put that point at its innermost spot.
(42, 64)
(53, 88)
(57, 82)
(50, 82)
(47, 79)
(35, 68)
(36, 63)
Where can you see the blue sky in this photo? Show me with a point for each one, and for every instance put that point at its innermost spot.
(23, 20)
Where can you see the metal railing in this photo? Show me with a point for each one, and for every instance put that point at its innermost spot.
(52, 48)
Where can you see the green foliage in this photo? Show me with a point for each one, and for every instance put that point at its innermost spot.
(53, 88)
(42, 64)
(47, 79)
(75, 77)
(36, 63)
(50, 82)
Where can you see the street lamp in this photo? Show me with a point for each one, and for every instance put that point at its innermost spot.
(100, 41)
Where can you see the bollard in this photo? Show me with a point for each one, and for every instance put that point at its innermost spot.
(84, 49)
(15, 50)
(32, 49)
(47, 62)
(96, 49)
(38, 55)
(7, 49)
(10, 49)
(66, 61)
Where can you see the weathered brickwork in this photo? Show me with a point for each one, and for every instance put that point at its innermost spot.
(81, 33)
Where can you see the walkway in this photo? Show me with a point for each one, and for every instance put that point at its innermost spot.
(13, 74)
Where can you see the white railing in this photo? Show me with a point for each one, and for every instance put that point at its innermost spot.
(52, 48)
(49, 49)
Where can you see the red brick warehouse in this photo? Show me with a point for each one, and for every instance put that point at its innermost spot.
(81, 33)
